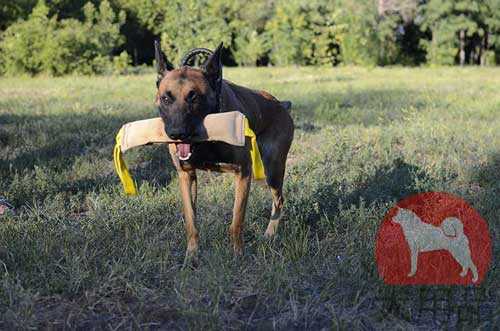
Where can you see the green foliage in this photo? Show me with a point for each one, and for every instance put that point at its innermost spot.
(303, 33)
(121, 63)
(439, 18)
(190, 23)
(289, 33)
(462, 31)
(185, 24)
(63, 36)
(248, 24)
(286, 32)
(368, 38)
(359, 41)
(387, 37)
(10, 11)
(23, 44)
(56, 47)
(249, 46)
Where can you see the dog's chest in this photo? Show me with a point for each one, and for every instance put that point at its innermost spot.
(216, 156)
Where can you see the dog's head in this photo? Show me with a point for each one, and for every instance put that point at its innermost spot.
(186, 95)
(401, 216)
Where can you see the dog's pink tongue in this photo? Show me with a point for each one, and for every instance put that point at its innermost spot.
(183, 150)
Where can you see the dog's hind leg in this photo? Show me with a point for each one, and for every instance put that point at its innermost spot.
(463, 257)
(277, 208)
(475, 276)
(274, 148)
(275, 182)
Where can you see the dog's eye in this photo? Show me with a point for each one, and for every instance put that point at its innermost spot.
(167, 98)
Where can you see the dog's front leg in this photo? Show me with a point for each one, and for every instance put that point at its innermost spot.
(414, 261)
(242, 183)
(187, 185)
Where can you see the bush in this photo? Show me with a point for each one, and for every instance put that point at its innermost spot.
(303, 33)
(23, 43)
(43, 44)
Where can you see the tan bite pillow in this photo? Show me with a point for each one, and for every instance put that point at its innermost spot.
(226, 127)
(230, 127)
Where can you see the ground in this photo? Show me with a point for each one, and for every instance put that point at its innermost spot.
(80, 254)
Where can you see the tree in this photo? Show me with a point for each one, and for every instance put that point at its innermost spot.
(248, 23)
(358, 43)
(10, 11)
(457, 28)
(303, 33)
(489, 43)
(42, 43)
(185, 24)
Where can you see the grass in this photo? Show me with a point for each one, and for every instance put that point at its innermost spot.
(81, 255)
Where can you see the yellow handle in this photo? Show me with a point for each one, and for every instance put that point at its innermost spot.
(128, 181)
(258, 168)
(121, 168)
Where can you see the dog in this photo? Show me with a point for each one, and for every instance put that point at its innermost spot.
(424, 237)
(184, 97)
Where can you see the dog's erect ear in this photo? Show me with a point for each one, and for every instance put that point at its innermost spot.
(162, 63)
(213, 68)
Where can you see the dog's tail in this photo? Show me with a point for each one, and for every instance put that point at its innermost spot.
(287, 105)
(452, 227)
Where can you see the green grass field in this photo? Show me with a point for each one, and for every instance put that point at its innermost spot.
(81, 255)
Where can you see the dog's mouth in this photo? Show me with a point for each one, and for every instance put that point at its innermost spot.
(184, 151)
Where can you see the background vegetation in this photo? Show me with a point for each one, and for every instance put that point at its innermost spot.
(106, 36)
(81, 255)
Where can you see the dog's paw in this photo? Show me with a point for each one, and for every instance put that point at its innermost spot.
(271, 230)
(237, 252)
(269, 233)
(412, 273)
(192, 251)
(238, 247)
(190, 261)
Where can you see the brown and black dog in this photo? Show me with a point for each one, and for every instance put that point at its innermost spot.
(185, 96)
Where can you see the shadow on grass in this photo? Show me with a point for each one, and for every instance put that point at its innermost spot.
(56, 140)
(483, 191)
(362, 107)
(389, 184)
(51, 154)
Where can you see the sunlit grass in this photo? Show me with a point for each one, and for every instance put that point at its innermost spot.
(81, 254)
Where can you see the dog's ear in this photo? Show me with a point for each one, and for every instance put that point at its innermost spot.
(162, 63)
(213, 68)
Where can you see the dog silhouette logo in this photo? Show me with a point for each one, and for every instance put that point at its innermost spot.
(423, 237)
(433, 238)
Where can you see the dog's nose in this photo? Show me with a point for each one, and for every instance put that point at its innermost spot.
(178, 134)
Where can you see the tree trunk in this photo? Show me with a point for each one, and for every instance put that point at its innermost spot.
(462, 47)
(484, 54)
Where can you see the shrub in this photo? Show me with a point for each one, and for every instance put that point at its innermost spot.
(57, 47)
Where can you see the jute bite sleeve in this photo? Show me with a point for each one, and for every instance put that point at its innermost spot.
(226, 127)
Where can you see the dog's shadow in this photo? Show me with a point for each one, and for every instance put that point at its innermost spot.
(388, 184)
